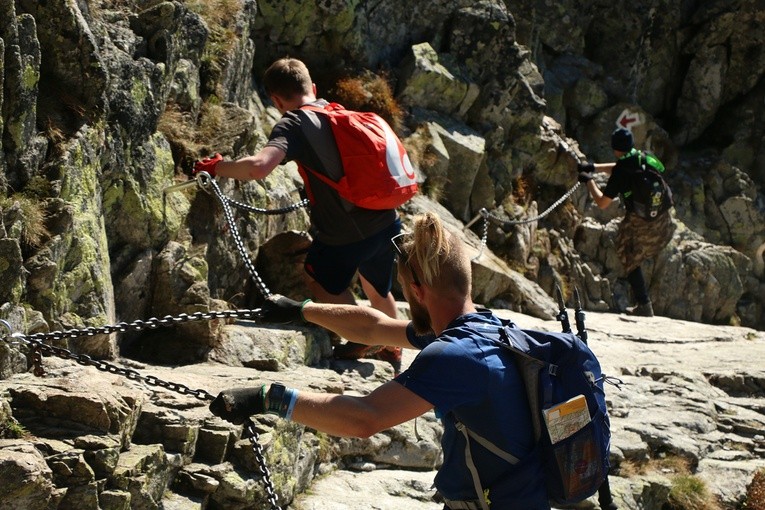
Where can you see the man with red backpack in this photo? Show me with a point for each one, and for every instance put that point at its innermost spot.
(347, 238)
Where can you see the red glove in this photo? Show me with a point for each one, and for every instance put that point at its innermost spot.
(207, 165)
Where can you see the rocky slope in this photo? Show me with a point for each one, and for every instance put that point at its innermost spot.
(105, 104)
(693, 401)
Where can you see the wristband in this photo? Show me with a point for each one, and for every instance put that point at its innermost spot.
(301, 308)
(290, 395)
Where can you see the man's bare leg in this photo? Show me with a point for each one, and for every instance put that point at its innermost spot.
(322, 296)
(347, 350)
(386, 304)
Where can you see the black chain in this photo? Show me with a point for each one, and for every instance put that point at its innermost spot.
(139, 325)
(38, 348)
(36, 341)
(204, 180)
(209, 181)
(252, 435)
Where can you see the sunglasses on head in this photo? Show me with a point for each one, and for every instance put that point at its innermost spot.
(395, 240)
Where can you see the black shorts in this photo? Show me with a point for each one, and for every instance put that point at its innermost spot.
(334, 266)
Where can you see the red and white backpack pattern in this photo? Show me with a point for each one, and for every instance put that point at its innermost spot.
(376, 167)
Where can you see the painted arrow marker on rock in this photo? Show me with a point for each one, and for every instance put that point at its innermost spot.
(628, 119)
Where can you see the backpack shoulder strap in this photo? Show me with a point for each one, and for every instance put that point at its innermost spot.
(496, 450)
(471, 463)
(329, 107)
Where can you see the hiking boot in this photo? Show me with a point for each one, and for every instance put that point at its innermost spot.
(352, 350)
(390, 354)
(334, 339)
(641, 310)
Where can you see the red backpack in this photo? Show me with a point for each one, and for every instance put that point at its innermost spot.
(377, 170)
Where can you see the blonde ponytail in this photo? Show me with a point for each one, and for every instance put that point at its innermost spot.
(438, 255)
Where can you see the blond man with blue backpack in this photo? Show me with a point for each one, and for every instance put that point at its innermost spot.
(495, 387)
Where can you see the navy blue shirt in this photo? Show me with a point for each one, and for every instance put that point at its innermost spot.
(467, 376)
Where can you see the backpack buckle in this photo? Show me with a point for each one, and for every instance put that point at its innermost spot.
(552, 369)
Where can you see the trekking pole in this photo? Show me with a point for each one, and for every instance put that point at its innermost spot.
(562, 314)
(581, 330)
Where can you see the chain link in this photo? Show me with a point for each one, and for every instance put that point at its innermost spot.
(224, 203)
(205, 180)
(257, 449)
(268, 212)
(485, 235)
(139, 325)
(506, 224)
(38, 348)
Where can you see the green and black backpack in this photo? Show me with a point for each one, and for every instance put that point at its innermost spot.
(650, 194)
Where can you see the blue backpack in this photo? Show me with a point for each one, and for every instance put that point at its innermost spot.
(557, 368)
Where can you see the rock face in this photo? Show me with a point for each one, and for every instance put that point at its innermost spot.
(690, 395)
(104, 105)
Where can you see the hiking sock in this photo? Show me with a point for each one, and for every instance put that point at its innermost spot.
(637, 282)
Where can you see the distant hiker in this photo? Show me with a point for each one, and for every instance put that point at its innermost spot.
(647, 226)
(347, 238)
(460, 372)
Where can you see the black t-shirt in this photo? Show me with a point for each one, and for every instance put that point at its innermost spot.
(620, 182)
(306, 137)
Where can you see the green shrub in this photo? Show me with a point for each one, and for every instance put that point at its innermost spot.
(11, 429)
(690, 493)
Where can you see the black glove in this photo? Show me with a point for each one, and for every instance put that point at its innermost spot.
(586, 167)
(282, 310)
(584, 177)
(239, 404)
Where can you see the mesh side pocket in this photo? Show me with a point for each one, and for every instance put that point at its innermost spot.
(579, 464)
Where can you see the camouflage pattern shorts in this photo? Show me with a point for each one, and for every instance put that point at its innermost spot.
(639, 239)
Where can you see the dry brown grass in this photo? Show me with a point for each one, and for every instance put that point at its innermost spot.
(688, 492)
(221, 13)
(211, 120)
(755, 492)
(176, 125)
(671, 464)
(182, 134)
(369, 92)
(522, 187)
(32, 219)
